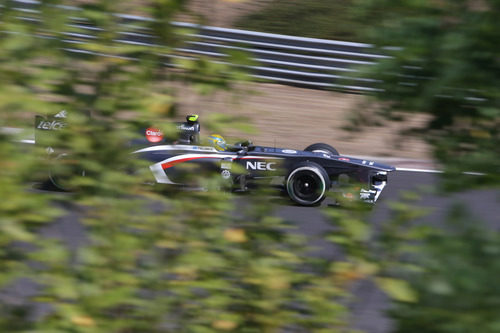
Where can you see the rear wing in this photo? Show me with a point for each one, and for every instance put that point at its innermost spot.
(45, 125)
(188, 132)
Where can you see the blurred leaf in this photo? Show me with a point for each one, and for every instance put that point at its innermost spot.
(399, 290)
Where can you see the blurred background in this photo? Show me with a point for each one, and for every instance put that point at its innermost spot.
(350, 120)
(411, 83)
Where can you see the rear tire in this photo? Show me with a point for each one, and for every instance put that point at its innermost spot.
(62, 171)
(307, 183)
(322, 148)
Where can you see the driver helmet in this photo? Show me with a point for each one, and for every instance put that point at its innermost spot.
(217, 141)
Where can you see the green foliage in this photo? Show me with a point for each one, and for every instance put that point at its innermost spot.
(444, 62)
(440, 278)
(158, 259)
(456, 282)
(446, 65)
(154, 259)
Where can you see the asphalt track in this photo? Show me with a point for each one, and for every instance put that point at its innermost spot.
(368, 309)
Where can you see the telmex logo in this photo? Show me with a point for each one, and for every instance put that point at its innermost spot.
(262, 166)
(51, 125)
(154, 135)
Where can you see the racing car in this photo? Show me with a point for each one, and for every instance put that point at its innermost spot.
(304, 175)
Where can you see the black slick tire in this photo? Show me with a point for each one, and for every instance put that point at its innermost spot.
(307, 184)
(60, 180)
(322, 148)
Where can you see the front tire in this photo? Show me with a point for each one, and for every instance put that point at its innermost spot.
(307, 183)
(322, 148)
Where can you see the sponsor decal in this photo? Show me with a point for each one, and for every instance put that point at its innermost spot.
(62, 114)
(226, 165)
(185, 128)
(261, 166)
(51, 125)
(344, 159)
(289, 151)
(160, 169)
(170, 162)
(226, 174)
(369, 163)
(154, 135)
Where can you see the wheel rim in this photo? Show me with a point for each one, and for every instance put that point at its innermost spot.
(306, 186)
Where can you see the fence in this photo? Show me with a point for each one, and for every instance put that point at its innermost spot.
(309, 62)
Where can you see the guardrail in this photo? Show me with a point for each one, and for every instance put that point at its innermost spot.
(309, 62)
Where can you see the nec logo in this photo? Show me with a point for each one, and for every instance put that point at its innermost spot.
(262, 166)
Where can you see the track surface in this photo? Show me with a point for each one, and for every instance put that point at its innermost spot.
(368, 310)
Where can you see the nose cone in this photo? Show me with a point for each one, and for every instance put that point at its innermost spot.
(385, 167)
(366, 163)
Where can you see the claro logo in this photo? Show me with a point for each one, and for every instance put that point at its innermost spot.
(154, 135)
(51, 125)
(262, 166)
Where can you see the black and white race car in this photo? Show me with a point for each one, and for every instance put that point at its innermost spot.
(304, 175)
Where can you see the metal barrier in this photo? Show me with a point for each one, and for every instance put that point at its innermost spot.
(309, 62)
